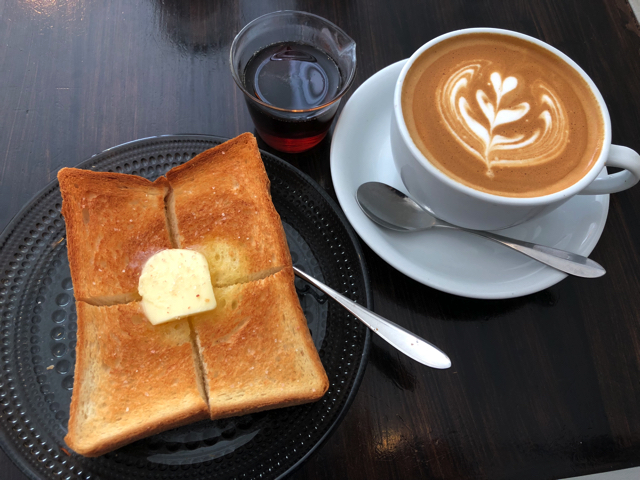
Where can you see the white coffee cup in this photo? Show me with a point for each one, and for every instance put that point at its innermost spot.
(462, 205)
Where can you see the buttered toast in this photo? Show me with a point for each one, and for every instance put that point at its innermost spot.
(256, 349)
(114, 223)
(252, 352)
(132, 379)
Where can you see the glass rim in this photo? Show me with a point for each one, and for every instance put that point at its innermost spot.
(253, 98)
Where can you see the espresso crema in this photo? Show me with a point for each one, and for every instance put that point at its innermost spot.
(502, 115)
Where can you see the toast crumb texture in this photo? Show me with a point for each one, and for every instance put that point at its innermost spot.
(132, 379)
(115, 222)
(253, 352)
(221, 207)
(256, 348)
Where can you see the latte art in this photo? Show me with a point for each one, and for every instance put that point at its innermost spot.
(474, 118)
(501, 115)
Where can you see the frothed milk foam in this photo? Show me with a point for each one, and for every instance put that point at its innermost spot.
(502, 115)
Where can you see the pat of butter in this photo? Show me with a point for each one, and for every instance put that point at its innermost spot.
(175, 283)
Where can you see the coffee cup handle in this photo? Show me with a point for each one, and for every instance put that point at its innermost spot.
(621, 157)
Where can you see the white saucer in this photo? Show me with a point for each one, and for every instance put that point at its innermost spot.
(451, 261)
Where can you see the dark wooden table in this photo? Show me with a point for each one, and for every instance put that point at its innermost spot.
(542, 387)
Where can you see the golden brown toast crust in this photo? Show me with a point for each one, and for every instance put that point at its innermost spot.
(132, 379)
(257, 350)
(223, 209)
(115, 222)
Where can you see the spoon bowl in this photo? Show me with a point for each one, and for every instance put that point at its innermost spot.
(392, 209)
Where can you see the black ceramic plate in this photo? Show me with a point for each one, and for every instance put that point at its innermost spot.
(38, 335)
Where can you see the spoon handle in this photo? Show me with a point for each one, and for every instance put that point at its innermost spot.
(405, 341)
(562, 260)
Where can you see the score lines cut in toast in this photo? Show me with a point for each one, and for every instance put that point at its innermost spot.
(256, 349)
(132, 379)
(114, 223)
(218, 203)
(220, 206)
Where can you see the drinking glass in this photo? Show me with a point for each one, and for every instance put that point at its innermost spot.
(293, 68)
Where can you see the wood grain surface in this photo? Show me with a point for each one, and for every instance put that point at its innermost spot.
(542, 387)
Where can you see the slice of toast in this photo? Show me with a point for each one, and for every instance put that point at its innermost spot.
(221, 206)
(132, 379)
(115, 222)
(256, 349)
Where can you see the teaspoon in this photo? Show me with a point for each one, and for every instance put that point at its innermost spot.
(401, 338)
(392, 209)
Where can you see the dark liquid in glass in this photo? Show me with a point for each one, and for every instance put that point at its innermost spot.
(297, 78)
